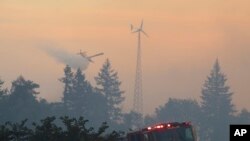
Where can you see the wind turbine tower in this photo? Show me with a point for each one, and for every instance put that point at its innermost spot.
(138, 97)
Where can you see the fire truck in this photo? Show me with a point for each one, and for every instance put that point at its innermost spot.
(174, 131)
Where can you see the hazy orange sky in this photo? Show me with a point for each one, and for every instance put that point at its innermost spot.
(185, 38)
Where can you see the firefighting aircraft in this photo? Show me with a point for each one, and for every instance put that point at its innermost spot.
(89, 58)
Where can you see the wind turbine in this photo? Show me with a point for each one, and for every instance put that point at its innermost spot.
(138, 97)
(134, 30)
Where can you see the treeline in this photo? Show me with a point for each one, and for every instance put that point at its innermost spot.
(73, 130)
(212, 115)
(102, 103)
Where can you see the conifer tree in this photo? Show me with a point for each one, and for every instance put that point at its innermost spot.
(81, 91)
(22, 102)
(80, 84)
(216, 106)
(67, 80)
(109, 85)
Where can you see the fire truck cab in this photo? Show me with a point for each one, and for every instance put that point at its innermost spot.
(174, 131)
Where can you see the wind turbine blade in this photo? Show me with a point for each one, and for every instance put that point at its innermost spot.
(95, 55)
(137, 30)
(141, 24)
(131, 27)
(144, 33)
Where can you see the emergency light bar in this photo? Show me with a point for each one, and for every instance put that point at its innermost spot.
(168, 125)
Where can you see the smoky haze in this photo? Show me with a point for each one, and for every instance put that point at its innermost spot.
(62, 56)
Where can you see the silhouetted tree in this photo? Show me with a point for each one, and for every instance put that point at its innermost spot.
(76, 129)
(114, 136)
(3, 103)
(67, 80)
(216, 106)
(149, 120)
(243, 117)
(3, 91)
(84, 100)
(56, 109)
(72, 129)
(109, 85)
(81, 91)
(22, 102)
(19, 131)
(47, 131)
(97, 109)
(4, 132)
(130, 121)
(45, 109)
(179, 110)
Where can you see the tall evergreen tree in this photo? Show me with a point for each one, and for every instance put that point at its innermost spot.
(22, 102)
(109, 85)
(81, 99)
(81, 91)
(68, 83)
(80, 84)
(216, 105)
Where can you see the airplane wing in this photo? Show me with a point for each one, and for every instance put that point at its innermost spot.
(89, 57)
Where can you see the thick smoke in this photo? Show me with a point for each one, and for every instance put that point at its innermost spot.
(73, 60)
